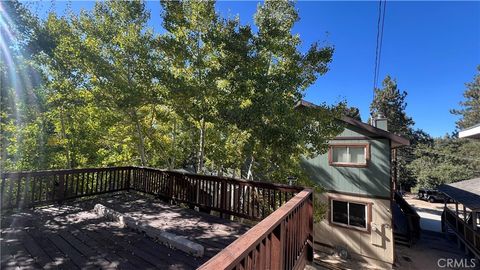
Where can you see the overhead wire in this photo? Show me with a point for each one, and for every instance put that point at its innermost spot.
(379, 42)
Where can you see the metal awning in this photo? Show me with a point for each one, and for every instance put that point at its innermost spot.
(465, 192)
(471, 132)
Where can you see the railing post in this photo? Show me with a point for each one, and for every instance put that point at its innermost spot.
(310, 241)
(171, 183)
(61, 188)
(277, 259)
(129, 178)
(457, 216)
(474, 228)
(223, 197)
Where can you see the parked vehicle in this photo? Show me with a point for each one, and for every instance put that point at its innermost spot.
(431, 195)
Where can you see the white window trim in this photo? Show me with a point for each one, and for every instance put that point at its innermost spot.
(348, 215)
(365, 152)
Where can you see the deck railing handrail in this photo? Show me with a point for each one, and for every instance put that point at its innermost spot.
(462, 229)
(413, 219)
(271, 243)
(28, 189)
(247, 199)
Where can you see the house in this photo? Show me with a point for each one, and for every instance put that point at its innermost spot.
(359, 185)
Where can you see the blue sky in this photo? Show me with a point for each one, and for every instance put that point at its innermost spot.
(431, 48)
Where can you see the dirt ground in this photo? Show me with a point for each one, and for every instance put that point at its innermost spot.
(430, 213)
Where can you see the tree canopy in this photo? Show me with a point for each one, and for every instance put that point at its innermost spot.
(470, 107)
(449, 159)
(207, 94)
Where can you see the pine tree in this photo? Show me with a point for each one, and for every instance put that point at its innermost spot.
(470, 111)
(390, 102)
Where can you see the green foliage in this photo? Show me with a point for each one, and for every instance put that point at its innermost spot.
(470, 111)
(207, 94)
(451, 159)
(390, 102)
(353, 112)
(447, 160)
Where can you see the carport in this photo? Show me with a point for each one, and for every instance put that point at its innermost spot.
(463, 221)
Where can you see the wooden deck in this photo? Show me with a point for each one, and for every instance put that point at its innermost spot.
(72, 236)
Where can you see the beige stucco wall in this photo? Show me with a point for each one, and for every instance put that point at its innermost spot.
(375, 247)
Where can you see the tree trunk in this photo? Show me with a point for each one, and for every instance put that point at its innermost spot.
(201, 150)
(64, 136)
(250, 169)
(174, 144)
(141, 139)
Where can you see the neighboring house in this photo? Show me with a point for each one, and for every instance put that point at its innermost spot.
(356, 175)
(471, 132)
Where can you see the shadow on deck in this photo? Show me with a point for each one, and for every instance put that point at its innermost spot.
(73, 236)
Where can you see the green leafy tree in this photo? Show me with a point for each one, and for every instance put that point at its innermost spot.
(191, 51)
(280, 74)
(122, 66)
(24, 130)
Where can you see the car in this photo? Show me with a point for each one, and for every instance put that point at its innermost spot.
(431, 195)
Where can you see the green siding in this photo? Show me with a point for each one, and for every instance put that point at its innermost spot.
(373, 180)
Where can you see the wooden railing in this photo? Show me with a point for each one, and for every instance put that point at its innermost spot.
(413, 219)
(283, 240)
(248, 199)
(26, 189)
(463, 230)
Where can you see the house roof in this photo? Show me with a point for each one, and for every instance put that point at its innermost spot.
(397, 141)
(465, 192)
(471, 132)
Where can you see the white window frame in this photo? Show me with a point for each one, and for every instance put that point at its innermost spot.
(366, 151)
(348, 215)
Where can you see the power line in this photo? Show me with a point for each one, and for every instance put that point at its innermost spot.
(378, 49)
(381, 41)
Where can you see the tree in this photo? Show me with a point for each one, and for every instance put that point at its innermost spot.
(24, 130)
(241, 87)
(446, 160)
(280, 74)
(470, 111)
(193, 49)
(209, 93)
(390, 102)
(353, 112)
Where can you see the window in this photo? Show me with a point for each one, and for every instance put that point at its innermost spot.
(349, 214)
(349, 155)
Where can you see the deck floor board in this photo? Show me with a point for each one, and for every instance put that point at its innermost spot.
(72, 236)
